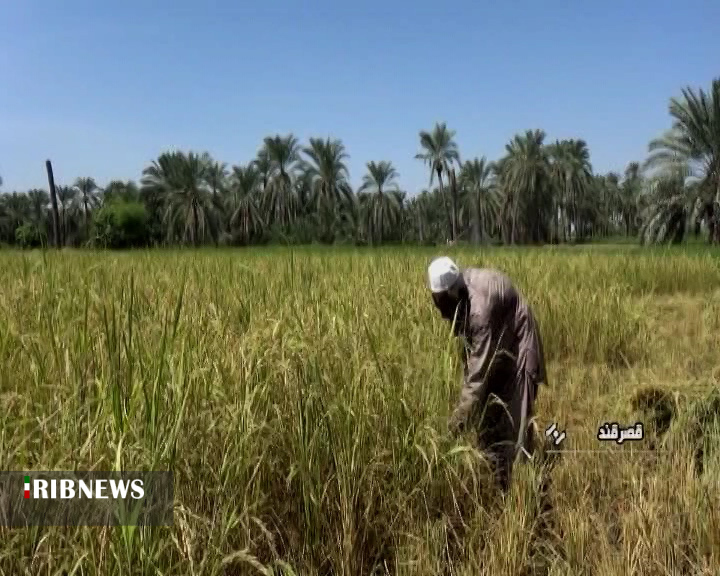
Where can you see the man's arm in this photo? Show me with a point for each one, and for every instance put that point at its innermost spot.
(476, 388)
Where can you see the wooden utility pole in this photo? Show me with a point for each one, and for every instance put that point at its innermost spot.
(53, 199)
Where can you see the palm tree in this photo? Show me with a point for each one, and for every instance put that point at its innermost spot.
(421, 209)
(6, 231)
(397, 233)
(119, 190)
(181, 180)
(439, 153)
(39, 200)
(383, 208)
(245, 218)
(87, 189)
(14, 210)
(524, 179)
(328, 176)
(216, 174)
(479, 196)
(674, 199)
(695, 139)
(264, 166)
(428, 209)
(614, 196)
(606, 192)
(630, 192)
(571, 181)
(282, 154)
(303, 191)
(67, 201)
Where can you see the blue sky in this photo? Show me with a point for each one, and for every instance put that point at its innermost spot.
(102, 88)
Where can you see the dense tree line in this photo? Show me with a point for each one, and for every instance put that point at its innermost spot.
(539, 191)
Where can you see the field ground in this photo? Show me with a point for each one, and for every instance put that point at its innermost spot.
(301, 399)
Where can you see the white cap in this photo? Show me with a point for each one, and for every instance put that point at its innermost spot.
(442, 274)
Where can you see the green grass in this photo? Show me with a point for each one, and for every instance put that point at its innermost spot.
(301, 399)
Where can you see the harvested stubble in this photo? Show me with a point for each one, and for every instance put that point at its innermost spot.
(301, 399)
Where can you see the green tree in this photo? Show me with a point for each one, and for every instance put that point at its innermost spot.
(674, 197)
(329, 187)
(216, 174)
(246, 221)
(119, 190)
(694, 140)
(264, 167)
(440, 152)
(121, 223)
(609, 201)
(282, 153)
(87, 189)
(180, 179)
(382, 209)
(28, 235)
(39, 201)
(15, 210)
(479, 196)
(631, 189)
(67, 198)
(570, 183)
(524, 182)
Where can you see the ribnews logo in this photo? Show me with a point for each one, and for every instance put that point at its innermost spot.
(67, 488)
(86, 499)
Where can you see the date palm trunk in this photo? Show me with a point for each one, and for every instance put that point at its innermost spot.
(380, 222)
(715, 218)
(196, 225)
(421, 231)
(445, 202)
(453, 204)
(86, 220)
(53, 201)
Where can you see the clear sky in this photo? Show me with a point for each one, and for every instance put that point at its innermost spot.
(102, 88)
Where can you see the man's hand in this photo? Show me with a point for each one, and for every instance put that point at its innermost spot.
(456, 425)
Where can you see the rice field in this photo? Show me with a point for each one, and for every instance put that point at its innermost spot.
(301, 397)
